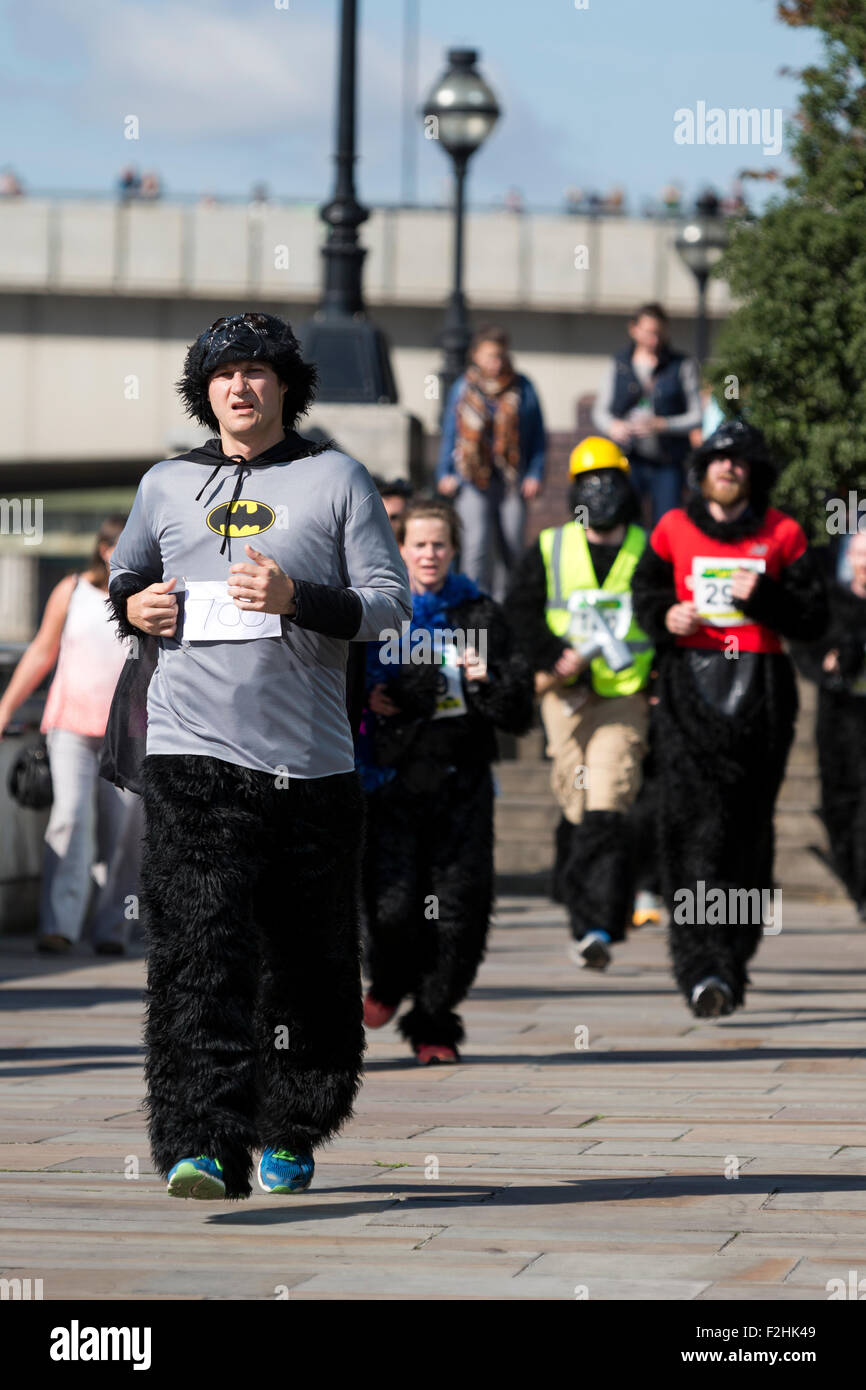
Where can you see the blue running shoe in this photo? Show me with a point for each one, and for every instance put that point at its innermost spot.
(197, 1177)
(281, 1171)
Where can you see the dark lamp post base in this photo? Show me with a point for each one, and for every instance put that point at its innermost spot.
(351, 355)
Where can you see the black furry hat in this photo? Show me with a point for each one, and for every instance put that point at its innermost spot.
(735, 437)
(247, 338)
(740, 440)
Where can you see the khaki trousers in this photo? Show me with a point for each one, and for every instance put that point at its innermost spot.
(597, 744)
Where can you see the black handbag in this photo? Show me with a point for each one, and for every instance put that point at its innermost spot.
(29, 779)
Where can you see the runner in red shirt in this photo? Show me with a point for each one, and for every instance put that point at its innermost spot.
(721, 582)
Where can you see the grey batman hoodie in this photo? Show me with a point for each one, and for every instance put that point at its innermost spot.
(273, 703)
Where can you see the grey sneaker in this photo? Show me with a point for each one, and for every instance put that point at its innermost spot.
(711, 998)
(592, 951)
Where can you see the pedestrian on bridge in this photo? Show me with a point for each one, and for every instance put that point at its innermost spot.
(492, 459)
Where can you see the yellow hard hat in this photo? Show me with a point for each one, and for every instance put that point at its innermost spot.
(596, 452)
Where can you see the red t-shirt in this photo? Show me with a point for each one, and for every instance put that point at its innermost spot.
(779, 542)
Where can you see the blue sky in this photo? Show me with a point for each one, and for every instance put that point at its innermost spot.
(228, 94)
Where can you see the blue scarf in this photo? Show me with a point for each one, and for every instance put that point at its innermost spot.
(430, 611)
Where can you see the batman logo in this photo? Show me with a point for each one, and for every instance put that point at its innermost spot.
(248, 518)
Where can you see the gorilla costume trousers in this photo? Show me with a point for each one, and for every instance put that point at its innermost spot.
(254, 1034)
(429, 890)
(717, 783)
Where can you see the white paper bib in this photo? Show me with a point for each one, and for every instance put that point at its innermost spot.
(711, 584)
(210, 614)
(616, 609)
(450, 700)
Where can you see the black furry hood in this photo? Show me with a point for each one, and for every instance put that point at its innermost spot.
(291, 446)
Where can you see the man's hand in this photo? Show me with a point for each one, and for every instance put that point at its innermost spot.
(380, 703)
(570, 663)
(261, 587)
(448, 485)
(154, 609)
(743, 584)
(474, 669)
(831, 661)
(530, 488)
(620, 431)
(682, 619)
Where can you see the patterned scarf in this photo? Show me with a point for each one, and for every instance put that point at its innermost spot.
(485, 443)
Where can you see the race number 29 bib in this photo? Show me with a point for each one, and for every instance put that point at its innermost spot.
(712, 577)
(210, 614)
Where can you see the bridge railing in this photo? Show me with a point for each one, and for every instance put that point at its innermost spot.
(554, 262)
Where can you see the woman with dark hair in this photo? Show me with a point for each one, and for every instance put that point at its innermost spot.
(491, 460)
(90, 822)
(435, 694)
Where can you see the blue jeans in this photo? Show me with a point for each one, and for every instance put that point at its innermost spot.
(661, 484)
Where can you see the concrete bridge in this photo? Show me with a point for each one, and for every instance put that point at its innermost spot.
(98, 299)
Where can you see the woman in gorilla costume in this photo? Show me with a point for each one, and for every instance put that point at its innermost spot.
(727, 701)
(424, 754)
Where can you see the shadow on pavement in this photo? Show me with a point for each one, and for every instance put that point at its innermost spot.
(583, 1190)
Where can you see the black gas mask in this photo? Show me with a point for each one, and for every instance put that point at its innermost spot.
(606, 497)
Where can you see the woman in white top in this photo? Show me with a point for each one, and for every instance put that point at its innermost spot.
(94, 830)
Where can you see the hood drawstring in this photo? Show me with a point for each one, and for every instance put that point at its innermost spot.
(243, 472)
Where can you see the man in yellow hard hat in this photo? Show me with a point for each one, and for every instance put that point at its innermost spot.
(570, 605)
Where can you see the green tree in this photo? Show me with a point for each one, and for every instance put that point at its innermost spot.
(797, 345)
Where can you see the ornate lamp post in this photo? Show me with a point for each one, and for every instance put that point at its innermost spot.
(350, 352)
(460, 113)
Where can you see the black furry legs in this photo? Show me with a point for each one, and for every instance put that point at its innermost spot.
(253, 1029)
(699, 950)
(429, 892)
(597, 876)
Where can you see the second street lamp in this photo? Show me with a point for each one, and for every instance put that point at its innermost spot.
(700, 244)
(460, 113)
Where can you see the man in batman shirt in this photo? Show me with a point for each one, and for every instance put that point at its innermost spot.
(253, 562)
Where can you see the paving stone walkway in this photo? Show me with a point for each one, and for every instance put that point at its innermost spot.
(666, 1158)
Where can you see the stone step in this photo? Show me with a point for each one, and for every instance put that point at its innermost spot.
(531, 817)
(802, 874)
(521, 779)
(515, 854)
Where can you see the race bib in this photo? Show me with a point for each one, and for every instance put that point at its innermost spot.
(586, 606)
(711, 585)
(210, 614)
(450, 700)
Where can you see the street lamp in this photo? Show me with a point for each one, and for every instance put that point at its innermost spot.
(700, 244)
(350, 352)
(460, 113)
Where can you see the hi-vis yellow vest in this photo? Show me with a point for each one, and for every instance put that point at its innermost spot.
(570, 572)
